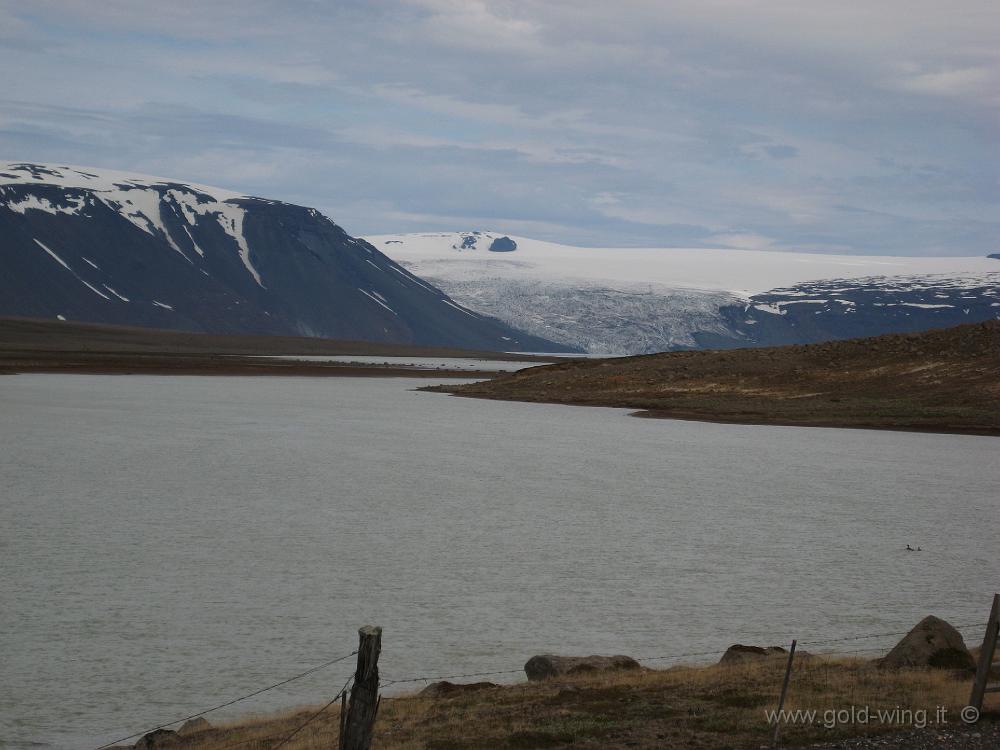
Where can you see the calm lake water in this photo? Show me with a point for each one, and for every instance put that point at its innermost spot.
(169, 543)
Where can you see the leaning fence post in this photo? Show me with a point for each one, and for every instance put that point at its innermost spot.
(361, 710)
(343, 719)
(988, 649)
(784, 692)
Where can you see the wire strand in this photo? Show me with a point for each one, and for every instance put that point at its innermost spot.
(880, 635)
(299, 676)
(312, 718)
(680, 656)
(407, 680)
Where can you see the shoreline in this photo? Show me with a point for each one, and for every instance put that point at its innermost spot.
(748, 421)
(93, 363)
(939, 381)
(231, 366)
(709, 706)
(928, 429)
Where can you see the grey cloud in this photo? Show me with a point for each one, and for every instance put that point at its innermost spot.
(781, 151)
(702, 117)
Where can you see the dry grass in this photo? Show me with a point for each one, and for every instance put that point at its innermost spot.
(941, 380)
(684, 707)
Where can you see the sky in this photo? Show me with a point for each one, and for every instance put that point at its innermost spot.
(862, 127)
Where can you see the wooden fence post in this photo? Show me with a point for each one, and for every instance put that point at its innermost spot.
(784, 692)
(979, 685)
(360, 723)
(343, 719)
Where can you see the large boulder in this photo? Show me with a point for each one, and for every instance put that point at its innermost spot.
(548, 665)
(932, 643)
(445, 689)
(740, 654)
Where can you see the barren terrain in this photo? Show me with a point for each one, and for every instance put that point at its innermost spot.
(944, 380)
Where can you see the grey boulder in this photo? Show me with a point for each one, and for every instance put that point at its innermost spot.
(740, 654)
(932, 643)
(445, 689)
(548, 665)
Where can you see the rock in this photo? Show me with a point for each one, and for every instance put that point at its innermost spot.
(549, 665)
(932, 643)
(739, 654)
(193, 726)
(445, 689)
(158, 738)
(503, 245)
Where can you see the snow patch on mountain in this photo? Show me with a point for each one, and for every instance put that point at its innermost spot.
(55, 256)
(231, 220)
(104, 180)
(35, 203)
(137, 198)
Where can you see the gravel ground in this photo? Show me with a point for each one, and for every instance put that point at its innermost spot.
(983, 736)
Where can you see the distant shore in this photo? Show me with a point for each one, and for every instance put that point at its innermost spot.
(46, 346)
(225, 366)
(943, 381)
(761, 420)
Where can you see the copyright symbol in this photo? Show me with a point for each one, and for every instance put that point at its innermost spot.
(970, 714)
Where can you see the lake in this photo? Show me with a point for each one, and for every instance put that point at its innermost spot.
(169, 543)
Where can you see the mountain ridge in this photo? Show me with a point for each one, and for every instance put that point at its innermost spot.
(106, 247)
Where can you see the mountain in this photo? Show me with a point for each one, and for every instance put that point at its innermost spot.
(642, 300)
(106, 247)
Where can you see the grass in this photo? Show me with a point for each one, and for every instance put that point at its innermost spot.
(702, 708)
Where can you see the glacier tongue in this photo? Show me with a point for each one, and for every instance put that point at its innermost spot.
(641, 300)
(597, 318)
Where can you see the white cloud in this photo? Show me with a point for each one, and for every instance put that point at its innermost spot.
(637, 121)
(975, 81)
(477, 26)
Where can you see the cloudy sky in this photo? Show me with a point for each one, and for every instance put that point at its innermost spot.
(869, 127)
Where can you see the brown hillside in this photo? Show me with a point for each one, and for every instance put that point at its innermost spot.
(944, 380)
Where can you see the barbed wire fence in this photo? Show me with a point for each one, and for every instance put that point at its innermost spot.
(233, 702)
(264, 743)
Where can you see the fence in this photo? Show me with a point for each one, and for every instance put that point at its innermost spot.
(357, 717)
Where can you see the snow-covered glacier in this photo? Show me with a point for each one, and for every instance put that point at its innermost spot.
(640, 300)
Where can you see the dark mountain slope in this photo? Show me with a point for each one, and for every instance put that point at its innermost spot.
(109, 248)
